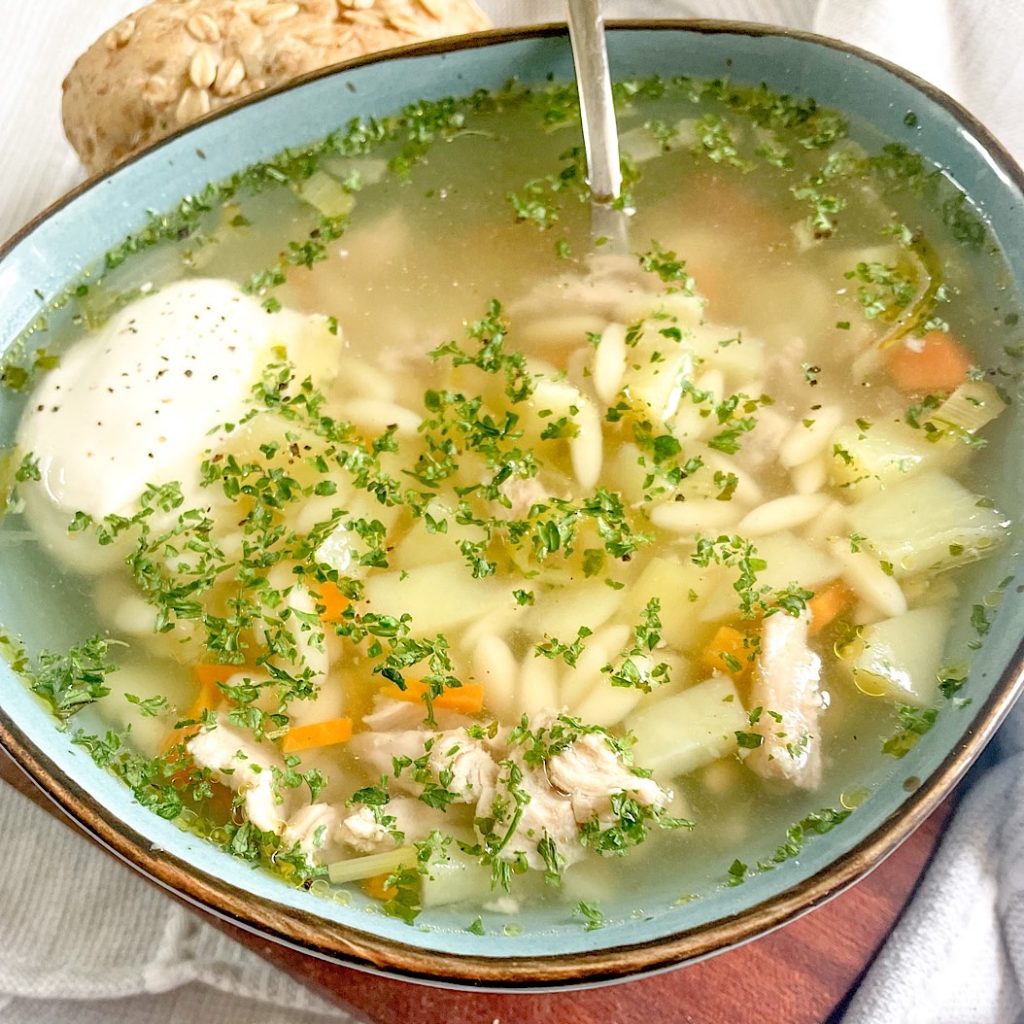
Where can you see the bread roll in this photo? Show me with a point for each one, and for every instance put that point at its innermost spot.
(173, 61)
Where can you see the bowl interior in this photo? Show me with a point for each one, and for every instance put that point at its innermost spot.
(53, 252)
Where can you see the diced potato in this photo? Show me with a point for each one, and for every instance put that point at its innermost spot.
(683, 733)
(681, 587)
(607, 705)
(342, 548)
(900, 658)
(681, 676)
(459, 879)
(439, 597)
(928, 523)
(693, 420)
(866, 461)
(551, 397)
(790, 560)
(740, 356)
(640, 144)
(420, 546)
(561, 612)
(973, 405)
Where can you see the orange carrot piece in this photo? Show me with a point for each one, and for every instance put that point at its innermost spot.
(467, 699)
(333, 601)
(319, 734)
(208, 696)
(934, 362)
(828, 604)
(211, 675)
(729, 653)
(376, 888)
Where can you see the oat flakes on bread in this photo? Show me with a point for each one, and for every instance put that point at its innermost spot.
(174, 60)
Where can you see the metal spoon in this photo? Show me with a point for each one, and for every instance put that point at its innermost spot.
(600, 134)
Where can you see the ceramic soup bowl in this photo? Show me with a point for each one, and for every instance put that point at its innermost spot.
(547, 949)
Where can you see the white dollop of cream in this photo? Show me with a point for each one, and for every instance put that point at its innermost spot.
(135, 403)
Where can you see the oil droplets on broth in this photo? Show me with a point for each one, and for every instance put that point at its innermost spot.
(429, 555)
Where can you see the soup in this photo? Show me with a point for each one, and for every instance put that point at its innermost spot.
(438, 548)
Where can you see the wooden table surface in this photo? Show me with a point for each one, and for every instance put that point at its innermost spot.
(802, 973)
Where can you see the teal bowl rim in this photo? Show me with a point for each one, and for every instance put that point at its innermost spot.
(353, 947)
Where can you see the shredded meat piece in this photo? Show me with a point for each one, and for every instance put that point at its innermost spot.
(413, 819)
(390, 715)
(453, 750)
(786, 686)
(546, 801)
(546, 813)
(310, 827)
(590, 772)
(246, 767)
(363, 833)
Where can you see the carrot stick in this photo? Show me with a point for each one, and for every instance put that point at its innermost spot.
(208, 696)
(467, 699)
(211, 675)
(728, 653)
(333, 602)
(934, 362)
(319, 734)
(376, 888)
(828, 604)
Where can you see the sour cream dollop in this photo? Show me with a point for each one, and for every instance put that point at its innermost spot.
(135, 403)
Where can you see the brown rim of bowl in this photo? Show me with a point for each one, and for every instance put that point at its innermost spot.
(350, 947)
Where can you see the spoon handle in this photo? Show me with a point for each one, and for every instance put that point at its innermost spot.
(593, 79)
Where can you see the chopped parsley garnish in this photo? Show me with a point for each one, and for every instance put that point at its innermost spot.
(591, 914)
(568, 652)
(914, 723)
(70, 681)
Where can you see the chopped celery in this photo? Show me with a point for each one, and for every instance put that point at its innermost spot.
(357, 868)
(681, 588)
(972, 406)
(928, 523)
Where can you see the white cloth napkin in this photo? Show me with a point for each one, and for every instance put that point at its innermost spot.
(83, 940)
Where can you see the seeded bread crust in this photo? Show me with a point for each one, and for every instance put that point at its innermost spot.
(173, 61)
